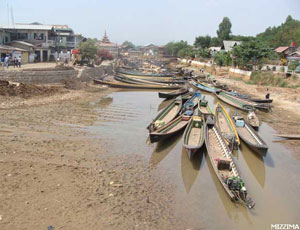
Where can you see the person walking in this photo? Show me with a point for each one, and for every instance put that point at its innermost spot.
(15, 62)
(6, 60)
(2, 63)
(19, 61)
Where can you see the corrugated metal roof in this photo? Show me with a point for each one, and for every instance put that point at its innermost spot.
(21, 26)
(23, 43)
(297, 53)
(5, 47)
(228, 45)
(281, 49)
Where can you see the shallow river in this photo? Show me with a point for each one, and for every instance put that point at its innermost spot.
(273, 182)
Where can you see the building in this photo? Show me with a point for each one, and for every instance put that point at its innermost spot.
(14, 52)
(30, 48)
(285, 51)
(229, 45)
(214, 49)
(48, 40)
(105, 44)
(295, 56)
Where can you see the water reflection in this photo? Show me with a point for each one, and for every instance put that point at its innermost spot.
(255, 163)
(105, 101)
(272, 181)
(190, 168)
(163, 104)
(163, 148)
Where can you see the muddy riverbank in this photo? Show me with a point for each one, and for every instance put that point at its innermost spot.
(56, 172)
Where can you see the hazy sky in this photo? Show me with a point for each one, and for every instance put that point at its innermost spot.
(155, 21)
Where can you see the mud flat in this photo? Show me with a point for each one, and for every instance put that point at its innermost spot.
(55, 172)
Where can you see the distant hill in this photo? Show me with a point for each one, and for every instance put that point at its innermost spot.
(282, 35)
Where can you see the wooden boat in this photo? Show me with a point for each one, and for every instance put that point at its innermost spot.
(233, 101)
(192, 102)
(166, 115)
(243, 96)
(224, 166)
(261, 100)
(203, 87)
(252, 119)
(164, 80)
(260, 106)
(172, 127)
(193, 137)
(289, 136)
(138, 81)
(116, 84)
(137, 73)
(249, 136)
(226, 126)
(172, 94)
(204, 108)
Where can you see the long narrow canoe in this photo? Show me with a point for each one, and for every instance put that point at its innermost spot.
(233, 101)
(204, 108)
(171, 128)
(226, 126)
(137, 81)
(154, 79)
(203, 87)
(261, 100)
(249, 136)
(166, 115)
(172, 94)
(115, 84)
(137, 73)
(260, 106)
(289, 136)
(244, 96)
(224, 166)
(193, 137)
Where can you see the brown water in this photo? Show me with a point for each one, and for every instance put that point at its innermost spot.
(273, 182)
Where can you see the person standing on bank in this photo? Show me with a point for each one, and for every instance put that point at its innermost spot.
(15, 62)
(6, 60)
(19, 61)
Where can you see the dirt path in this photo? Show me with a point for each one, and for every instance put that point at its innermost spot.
(53, 172)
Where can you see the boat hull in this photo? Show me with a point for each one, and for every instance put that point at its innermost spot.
(134, 86)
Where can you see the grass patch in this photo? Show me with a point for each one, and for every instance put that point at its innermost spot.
(271, 79)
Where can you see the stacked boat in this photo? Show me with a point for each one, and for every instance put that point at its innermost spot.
(134, 79)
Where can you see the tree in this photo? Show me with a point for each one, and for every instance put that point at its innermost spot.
(219, 58)
(186, 53)
(129, 44)
(215, 42)
(88, 49)
(172, 48)
(202, 53)
(104, 55)
(224, 30)
(282, 35)
(202, 41)
(252, 52)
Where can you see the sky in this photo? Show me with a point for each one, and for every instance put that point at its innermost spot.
(156, 21)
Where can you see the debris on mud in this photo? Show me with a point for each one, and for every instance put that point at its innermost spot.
(26, 90)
